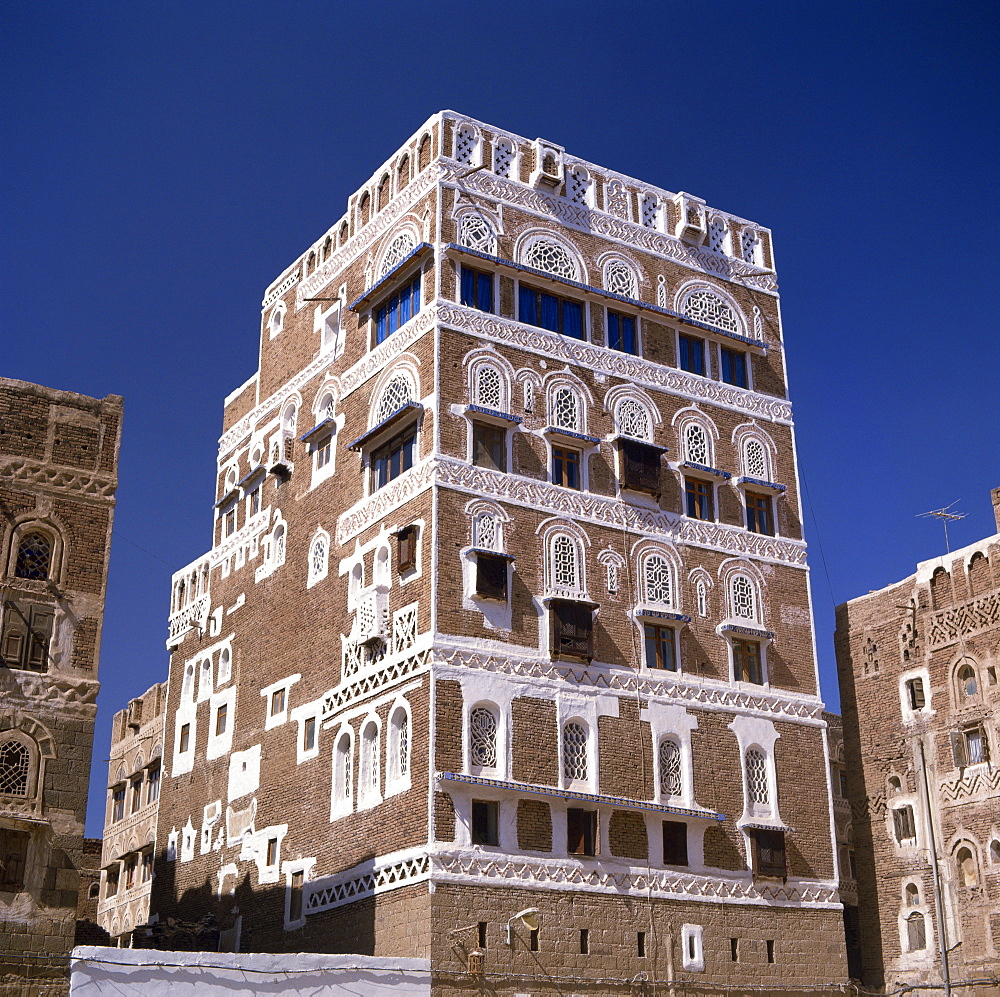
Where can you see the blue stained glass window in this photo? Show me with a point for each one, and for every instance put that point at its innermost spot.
(621, 332)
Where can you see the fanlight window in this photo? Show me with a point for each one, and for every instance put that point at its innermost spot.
(15, 763)
(744, 600)
(552, 258)
(566, 410)
(489, 387)
(318, 559)
(670, 768)
(619, 279)
(326, 407)
(483, 737)
(757, 790)
(564, 567)
(967, 681)
(398, 250)
(487, 532)
(754, 459)
(395, 395)
(503, 158)
(696, 444)
(34, 556)
(912, 895)
(657, 583)
(575, 751)
(477, 233)
(704, 306)
(633, 420)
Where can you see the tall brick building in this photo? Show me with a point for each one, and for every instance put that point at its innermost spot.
(918, 665)
(58, 475)
(502, 654)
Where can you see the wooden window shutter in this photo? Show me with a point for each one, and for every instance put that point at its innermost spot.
(958, 749)
(406, 552)
(41, 634)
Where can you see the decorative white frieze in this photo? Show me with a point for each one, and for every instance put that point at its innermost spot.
(249, 532)
(970, 617)
(623, 365)
(625, 682)
(983, 784)
(579, 216)
(388, 671)
(616, 878)
(369, 879)
(379, 358)
(195, 614)
(380, 503)
(277, 292)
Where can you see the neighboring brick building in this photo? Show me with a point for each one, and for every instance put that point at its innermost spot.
(134, 772)
(58, 474)
(918, 665)
(507, 603)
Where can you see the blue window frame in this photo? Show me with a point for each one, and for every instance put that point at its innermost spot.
(545, 310)
(692, 355)
(397, 311)
(621, 332)
(734, 367)
(477, 289)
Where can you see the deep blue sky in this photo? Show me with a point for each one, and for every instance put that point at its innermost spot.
(163, 162)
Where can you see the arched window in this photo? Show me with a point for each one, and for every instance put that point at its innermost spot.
(717, 232)
(979, 574)
(619, 278)
(487, 533)
(529, 396)
(403, 172)
(575, 765)
(483, 737)
(618, 200)
(671, 775)
(327, 247)
(477, 233)
(578, 185)
(633, 420)
(503, 158)
(544, 254)
(15, 767)
(916, 932)
(701, 598)
(755, 459)
(278, 545)
(704, 306)
(342, 770)
(967, 684)
(465, 143)
(326, 408)
(966, 864)
(424, 153)
(757, 788)
(357, 579)
(397, 251)
(225, 666)
(277, 320)
(34, 556)
(995, 851)
(364, 208)
(311, 263)
(612, 577)
(657, 581)
(383, 192)
(912, 895)
(344, 234)
(566, 409)
(205, 680)
(399, 745)
(744, 598)
(318, 558)
(895, 785)
(696, 446)
(368, 786)
(394, 396)
(939, 588)
(490, 388)
(564, 566)
(650, 210)
(382, 574)
(749, 241)
(187, 689)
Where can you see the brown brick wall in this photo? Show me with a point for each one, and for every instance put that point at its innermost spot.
(534, 826)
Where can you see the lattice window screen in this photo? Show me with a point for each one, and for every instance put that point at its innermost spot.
(489, 388)
(696, 444)
(578, 187)
(566, 410)
(748, 242)
(483, 737)
(744, 603)
(702, 598)
(403, 742)
(757, 789)
(15, 760)
(395, 395)
(619, 279)
(318, 559)
(34, 554)
(465, 144)
(552, 258)
(650, 210)
(755, 459)
(477, 233)
(704, 306)
(717, 235)
(633, 419)
(503, 158)
(398, 250)
(671, 783)
(657, 582)
(487, 533)
(564, 567)
(575, 751)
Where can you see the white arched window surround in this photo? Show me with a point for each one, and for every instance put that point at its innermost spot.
(488, 522)
(620, 277)
(670, 768)
(697, 437)
(657, 574)
(543, 250)
(370, 763)
(485, 738)
(577, 750)
(633, 419)
(566, 409)
(709, 304)
(674, 724)
(758, 736)
(565, 568)
(31, 532)
(398, 387)
(489, 382)
(741, 597)
(343, 772)
(468, 145)
(756, 453)
(397, 248)
(614, 570)
(399, 748)
(276, 320)
(19, 764)
(579, 185)
(319, 557)
(718, 235)
(477, 228)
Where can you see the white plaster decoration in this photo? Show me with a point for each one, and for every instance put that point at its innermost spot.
(319, 558)
(188, 838)
(661, 291)
(692, 948)
(277, 320)
(566, 409)
(397, 776)
(466, 144)
(388, 671)
(743, 598)
(696, 445)
(388, 872)
(701, 597)
(504, 158)
(450, 864)
(558, 501)
(749, 243)
(327, 323)
(579, 186)
(225, 665)
(475, 232)
(342, 800)
(548, 255)
(489, 390)
(172, 845)
(221, 741)
(483, 725)
(529, 395)
(397, 251)
(279, 289)
(671, 768)
(193, 615)
(404, 628)
(706, 306)
(369, 765)
(575, 752)
(394, 395)
(650, 211)
(756, 737)
(718, 234)
(657, 579)
(612, 227)
(613, 564)
(614, 362)
(183, 760)
(205, 686)
(758, 323)
(755, 463)
(244, 772)
(618, 200)
(619, 278)
(632, 419)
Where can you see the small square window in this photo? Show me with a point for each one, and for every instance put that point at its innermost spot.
(640, 467)
(406, 549)
(584, 941)
(489, 446)
(768, 853)
(581, 831)
(572, 628)
(485, 822)
(915, 694)
(566, 467)
(675, 842)
(491, 577)
(323, 451)
(734, 367)
(698, 500)
(309, 734)
(692, 355)
(621, 332)
(272, 851)
(477, 289)
(903, 825)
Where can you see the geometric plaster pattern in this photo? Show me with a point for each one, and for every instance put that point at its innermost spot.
(391, 671)
(968, 618)
(581, 217)
(39, 476)
(346, 887)
(49, 689)
(985, 783)
(567, 874)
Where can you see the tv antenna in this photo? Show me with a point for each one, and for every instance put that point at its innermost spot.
(945, 517)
